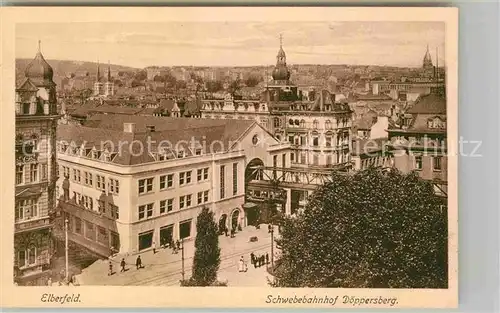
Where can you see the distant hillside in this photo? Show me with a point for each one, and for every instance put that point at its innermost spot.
(64, 68)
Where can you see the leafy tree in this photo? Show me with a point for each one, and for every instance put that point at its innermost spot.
(371, 229)
(252, 81)
(141, 75)
(180, 84)
(136, 83)
(214, 86)
(159, 78)
(207, 254)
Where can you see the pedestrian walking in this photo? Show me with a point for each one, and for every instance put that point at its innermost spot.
(49, 282)
(178, 244)
(232, 233)
(241, 265)
(154, 247)
(226, 231)
(269, 227)
(110, 268)
(267, 258)
(138, 262)
(122, 264)
(262, 260)
(252, 258)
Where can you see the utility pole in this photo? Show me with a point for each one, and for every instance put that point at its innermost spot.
(182, 256)
(66, 248)
(272, 247)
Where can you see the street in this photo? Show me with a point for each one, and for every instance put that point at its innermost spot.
(165, 268)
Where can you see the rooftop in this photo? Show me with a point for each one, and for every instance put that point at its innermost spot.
(121, 134)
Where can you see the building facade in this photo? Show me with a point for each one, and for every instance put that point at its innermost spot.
(418, 143)
(36, 123)
(125, 199)
(312, 121)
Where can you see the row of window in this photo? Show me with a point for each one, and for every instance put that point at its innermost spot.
(167, 181)
(167, 205)
(341, 122)
(92, 231)
(64, 147)
(87, 179)
(341, 139)
(145, 239)
(436, 163)
(26, 209)
(375, 161)
(30, 173)
(330, 159)
(102, 206)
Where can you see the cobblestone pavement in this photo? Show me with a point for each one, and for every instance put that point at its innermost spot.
(165, 268)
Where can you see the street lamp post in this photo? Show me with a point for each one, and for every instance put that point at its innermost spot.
(272, 246)
(66, 248)
(182, 256)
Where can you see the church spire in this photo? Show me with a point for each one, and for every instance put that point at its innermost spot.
(427, 62)
(109, 72)
(98, 72)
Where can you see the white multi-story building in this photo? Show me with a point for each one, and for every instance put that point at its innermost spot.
(116, 196)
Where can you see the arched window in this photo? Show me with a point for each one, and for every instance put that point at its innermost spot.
(328, 124)
(315, 124)
(297, 123)
(290, 122)
(302, 123)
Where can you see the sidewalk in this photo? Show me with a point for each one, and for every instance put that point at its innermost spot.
(165, 268)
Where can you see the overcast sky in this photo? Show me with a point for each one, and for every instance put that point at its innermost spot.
(234, 44)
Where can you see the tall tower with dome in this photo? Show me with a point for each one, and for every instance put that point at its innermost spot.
(35, 172)
(281, 88)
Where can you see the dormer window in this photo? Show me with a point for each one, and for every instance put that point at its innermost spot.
(180, 154)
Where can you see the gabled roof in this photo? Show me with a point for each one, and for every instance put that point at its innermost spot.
(27, 85)
(100, 129)
(433, 103)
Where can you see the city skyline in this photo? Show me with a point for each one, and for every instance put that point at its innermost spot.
(139, 45)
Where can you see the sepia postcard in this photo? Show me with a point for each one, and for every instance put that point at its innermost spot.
(257, 157)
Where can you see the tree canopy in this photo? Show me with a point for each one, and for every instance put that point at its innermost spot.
(367, 230)
(207, 254)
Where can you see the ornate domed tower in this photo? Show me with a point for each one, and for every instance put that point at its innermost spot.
(36, 175)
(281, 72)
(41, 75)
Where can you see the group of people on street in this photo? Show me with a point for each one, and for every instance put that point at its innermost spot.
(123, 264)
(259, 261)
(175, 246)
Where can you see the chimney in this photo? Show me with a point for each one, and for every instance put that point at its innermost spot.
(150, 128)
(129, 127)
